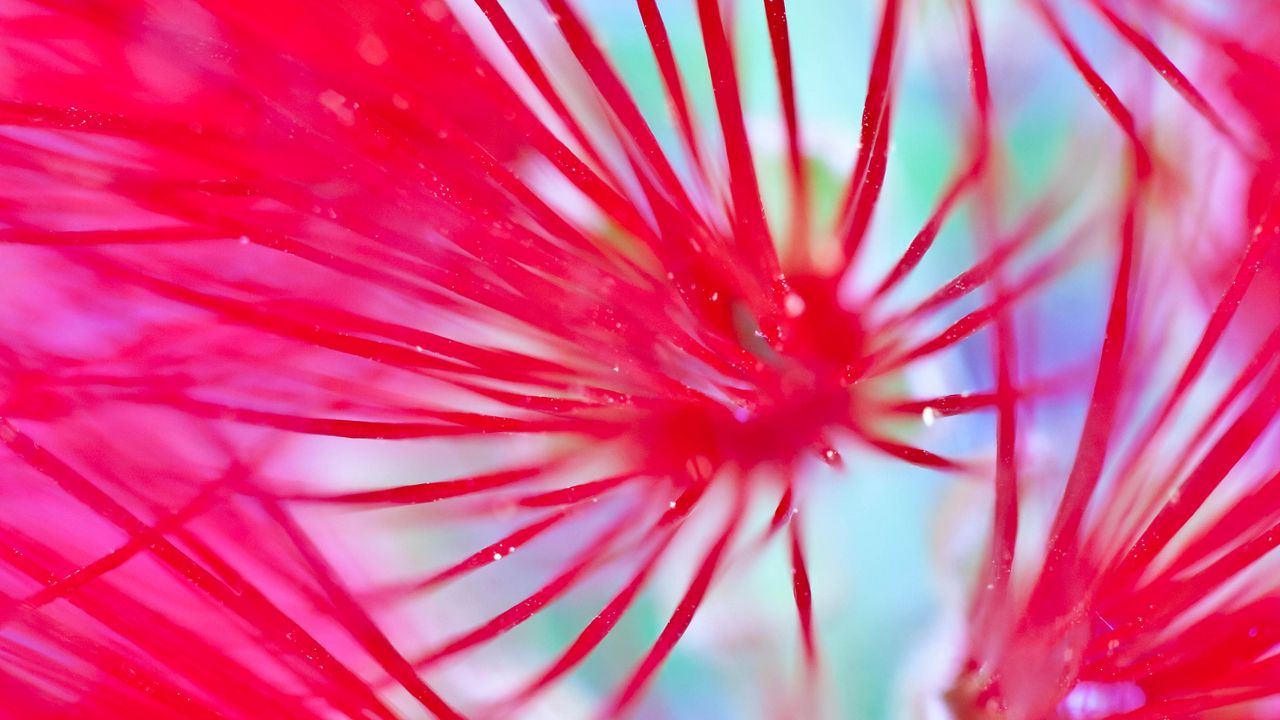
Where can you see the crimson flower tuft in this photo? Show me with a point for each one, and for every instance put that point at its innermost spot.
(1149, 591)
(301, 297)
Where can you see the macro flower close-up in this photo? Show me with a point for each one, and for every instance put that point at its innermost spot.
(688, 359)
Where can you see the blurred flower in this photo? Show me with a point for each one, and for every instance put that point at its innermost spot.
(1151, 593)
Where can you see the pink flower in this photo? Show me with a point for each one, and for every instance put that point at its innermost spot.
(1152, 594)
(247, 243)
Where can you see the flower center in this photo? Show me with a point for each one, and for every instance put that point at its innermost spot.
(797, 392)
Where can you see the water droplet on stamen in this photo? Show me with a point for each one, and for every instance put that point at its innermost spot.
(793, 304)
(372, 50)
(336, 103)
(929, 416)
